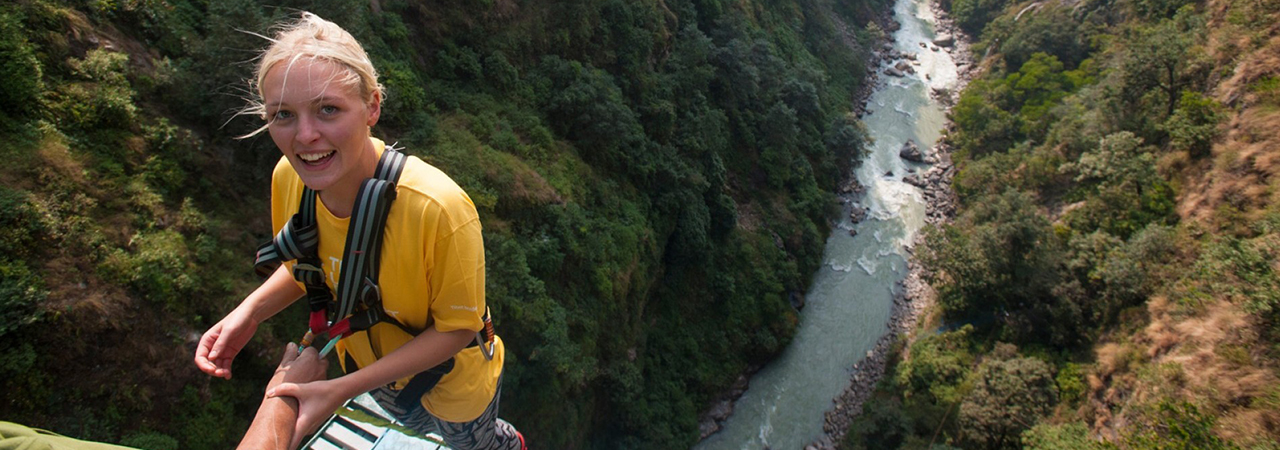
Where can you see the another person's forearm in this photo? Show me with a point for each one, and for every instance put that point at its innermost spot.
(273, 427)
(425, 351)
(276, 293)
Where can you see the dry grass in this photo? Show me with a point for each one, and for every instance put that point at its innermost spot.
(1211, 358)
(1242, 177)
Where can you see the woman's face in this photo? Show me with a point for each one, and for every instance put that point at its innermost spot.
(321, 126)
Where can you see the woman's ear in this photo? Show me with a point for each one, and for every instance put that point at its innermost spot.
(375, 108)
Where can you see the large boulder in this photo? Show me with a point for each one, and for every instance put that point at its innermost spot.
(894, 72)
(911, 152)
(944, 40)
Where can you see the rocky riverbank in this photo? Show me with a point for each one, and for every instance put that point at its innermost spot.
(710, 421)
(914, 295)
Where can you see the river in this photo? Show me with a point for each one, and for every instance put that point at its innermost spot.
(848, 306)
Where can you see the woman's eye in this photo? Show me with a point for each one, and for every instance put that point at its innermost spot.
(328, 109)
(282, 115)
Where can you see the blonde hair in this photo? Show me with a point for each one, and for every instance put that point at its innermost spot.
(311, 37)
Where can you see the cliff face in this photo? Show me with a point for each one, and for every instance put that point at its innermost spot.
(1110, 277)
(654, 179)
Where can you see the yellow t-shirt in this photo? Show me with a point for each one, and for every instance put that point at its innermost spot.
(432, 273)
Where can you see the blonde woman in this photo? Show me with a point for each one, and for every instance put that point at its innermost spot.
(319, 96)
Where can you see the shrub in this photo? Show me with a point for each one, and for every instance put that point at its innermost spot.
(159, 268)
(1194, 124)
(1007, 398)
(21, 229)
(104, 99)
(1069, 436)
(1175, 425)
(23, 86)
(21, 291)
(150, 441)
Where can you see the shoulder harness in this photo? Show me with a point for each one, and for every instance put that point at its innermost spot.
(358, 305)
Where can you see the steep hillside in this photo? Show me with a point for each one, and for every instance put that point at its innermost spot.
(1110, 280)
(654, 180)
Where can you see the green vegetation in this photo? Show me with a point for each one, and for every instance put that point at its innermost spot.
(654, 178)
(1085, 152)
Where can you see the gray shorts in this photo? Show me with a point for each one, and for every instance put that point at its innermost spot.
(486, 432)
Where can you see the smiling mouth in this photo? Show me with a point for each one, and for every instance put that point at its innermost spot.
(314, 159)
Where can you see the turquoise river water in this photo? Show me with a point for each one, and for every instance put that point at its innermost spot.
(848, 305)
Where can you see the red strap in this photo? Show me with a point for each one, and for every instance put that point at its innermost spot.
(318, 322)
(340, 329)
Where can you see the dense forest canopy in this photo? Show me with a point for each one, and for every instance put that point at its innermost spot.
(1110, 280)
(654, 178)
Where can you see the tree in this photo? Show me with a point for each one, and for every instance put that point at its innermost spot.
(1119, 161)
(998, 257)
(936, 368)
(1008, 397)
(1164, 57)
(1130, 193)
(1194, 124)
(972, 15)
(982, 126)
(1050, 29)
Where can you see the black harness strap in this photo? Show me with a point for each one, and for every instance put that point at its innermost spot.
(358, 306)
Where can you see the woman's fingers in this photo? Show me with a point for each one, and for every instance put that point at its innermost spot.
(284, 390)
(203, 350)
(316, 401)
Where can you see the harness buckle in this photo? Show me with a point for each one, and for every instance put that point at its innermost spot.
(371, 287)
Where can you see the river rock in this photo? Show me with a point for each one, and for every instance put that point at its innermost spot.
(893, 25)
(911, 152)
(857, 214)
(914, 180)
(852, 186)
(894, 72)
(721, 410)
(902, 65)
(707, 428)
(797, 300)
(944, 40)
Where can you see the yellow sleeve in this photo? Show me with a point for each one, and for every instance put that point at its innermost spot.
(286, 194)
(280, 194)
(456, 276)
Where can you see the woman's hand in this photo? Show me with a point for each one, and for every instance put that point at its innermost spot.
(317, 400)
(224, 340)
(220, 345)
